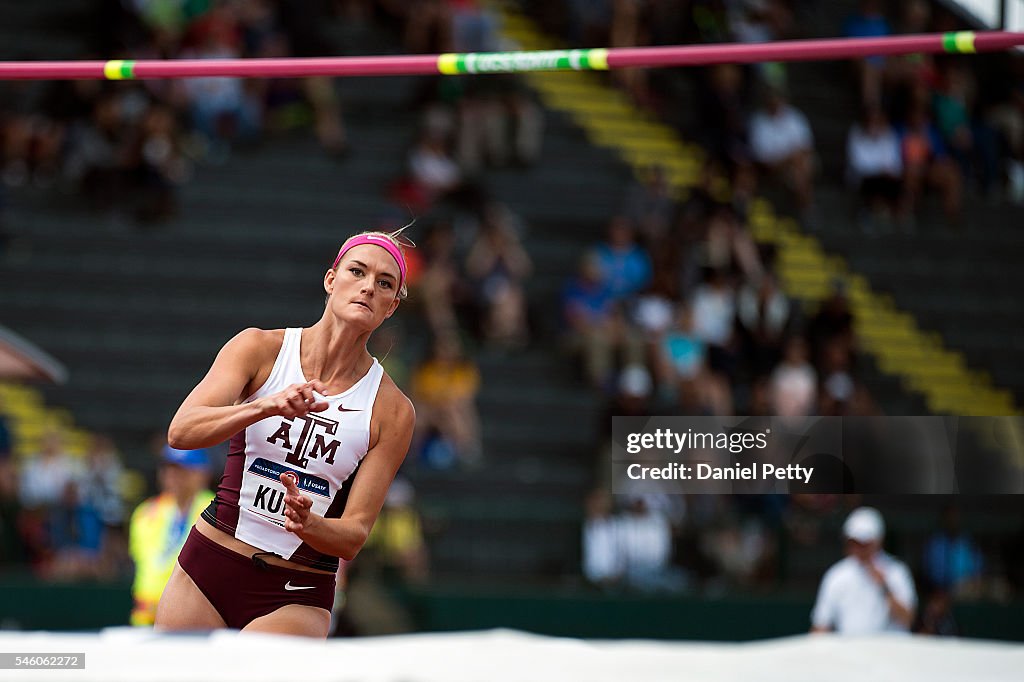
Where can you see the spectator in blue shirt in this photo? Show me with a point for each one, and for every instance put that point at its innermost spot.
(869, 22)
(952, 561)
(625, 267)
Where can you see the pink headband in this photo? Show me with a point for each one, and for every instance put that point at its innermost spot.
(376, 240)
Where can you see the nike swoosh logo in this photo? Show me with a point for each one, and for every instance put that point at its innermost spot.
(346, 409)
(288, 586)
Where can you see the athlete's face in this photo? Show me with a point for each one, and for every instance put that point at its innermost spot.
(364, 287)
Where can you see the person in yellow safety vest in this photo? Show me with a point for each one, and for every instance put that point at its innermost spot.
(160, 525)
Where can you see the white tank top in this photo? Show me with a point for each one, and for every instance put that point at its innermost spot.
(322, 449)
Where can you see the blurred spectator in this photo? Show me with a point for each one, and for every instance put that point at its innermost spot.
(875, 166)
(526, 121)
(683, 373)
(650, 206)
(653, 311)
(714, 317)
(680, 354)
(764, 314)
(762, 21)
(742, 550)
(432, 169)
(160, 525)
(1006, 117)
(30, 149)
(222, 109)
(729, 246)
(869, 591)
(596, 327)
(869, 22)
(101, 490)
(602, 561)
(722, 106)
(128, 156)
(497, 118)
(45, 475)
(907, 74)
(633, 396)
(8, 473)
(441, 288)
(951, 561)
(381, 344)
(832, 325)
(794, 383)
(624, 265)
(444, 388)
(396, 541)
(808, 514)
(645, 541)
(156, 162)
(496, 126)
(781, 142)
(970, 140)
(711, 191)
(840, 392)
(633, 392)
(937, 616)
(76, 536)
(433, 173)
(926, 164)
(12, 549)
(497, 264)
(303, 23)
(98, 151)
(651, 316)
(629, 29)
(473, 27)
(395, 555)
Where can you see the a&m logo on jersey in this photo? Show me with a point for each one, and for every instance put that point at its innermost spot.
(313, 440)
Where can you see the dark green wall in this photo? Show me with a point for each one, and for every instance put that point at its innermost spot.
(601, 616)
(738, 618)
(30, 604)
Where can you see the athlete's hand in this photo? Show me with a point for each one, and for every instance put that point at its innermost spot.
(297, 400)
(297, 514)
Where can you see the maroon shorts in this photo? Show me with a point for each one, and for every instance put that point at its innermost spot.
(242, 589)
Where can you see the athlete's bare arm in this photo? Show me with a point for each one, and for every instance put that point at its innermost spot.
(344, 537)
(212, 412)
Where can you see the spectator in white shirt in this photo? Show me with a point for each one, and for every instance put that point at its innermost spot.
(47, 474)
(868, 592)
(602, 560)
(794, 382)
(714, 316)
(781, 142)
(875, 163)
(645, 541)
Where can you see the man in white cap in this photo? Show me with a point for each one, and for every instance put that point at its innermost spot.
(869, 591)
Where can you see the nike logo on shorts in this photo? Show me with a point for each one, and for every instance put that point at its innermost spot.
(288, 586)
